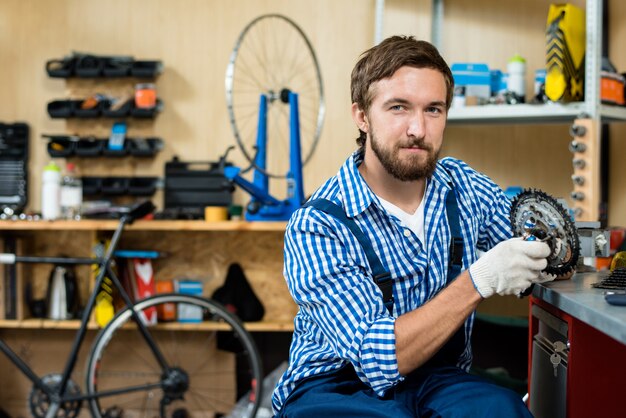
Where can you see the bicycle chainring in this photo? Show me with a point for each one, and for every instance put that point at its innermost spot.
(537, 214)
(39, 401)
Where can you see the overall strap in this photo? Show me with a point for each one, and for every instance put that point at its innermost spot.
(455, 262)
(451, 351)
(382, 277)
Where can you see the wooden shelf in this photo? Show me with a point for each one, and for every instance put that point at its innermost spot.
(110, 225)
(262, 326)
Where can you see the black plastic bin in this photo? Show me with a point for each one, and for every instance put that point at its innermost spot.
(146, 69)
(145, 147)
(60, 68)
(120, 112)
(138, 112)
(109, 152)
(61, 146)
(92, 112)
(61, 108)
(142, 186)
(89, 147)
(89, 66)
(117, 67)
(115, 186)
(91, 185)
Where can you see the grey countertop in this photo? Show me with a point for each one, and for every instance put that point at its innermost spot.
(579, 299)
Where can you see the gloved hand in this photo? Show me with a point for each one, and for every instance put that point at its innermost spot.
(510, 267)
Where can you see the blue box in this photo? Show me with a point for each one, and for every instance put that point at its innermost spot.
(498, 82)
(474, 76)
(187, 312)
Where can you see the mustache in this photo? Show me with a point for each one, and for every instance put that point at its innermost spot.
(416, 143)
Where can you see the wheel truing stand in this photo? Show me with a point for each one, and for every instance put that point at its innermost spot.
(263, 206)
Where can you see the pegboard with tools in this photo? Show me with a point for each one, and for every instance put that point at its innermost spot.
(585, 148)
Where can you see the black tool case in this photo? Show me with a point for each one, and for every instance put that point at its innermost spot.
(191, 186)
(13, 166)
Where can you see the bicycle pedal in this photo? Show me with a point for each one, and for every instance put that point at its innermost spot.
(113, 412)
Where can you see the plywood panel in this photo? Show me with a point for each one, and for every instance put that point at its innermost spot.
(206, 257)
(194, 39)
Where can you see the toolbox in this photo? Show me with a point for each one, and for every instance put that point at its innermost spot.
(191, 186)
(13, 166)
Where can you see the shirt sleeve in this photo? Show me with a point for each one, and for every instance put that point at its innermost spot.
(495, 208)
(328, 277)
(489, 204)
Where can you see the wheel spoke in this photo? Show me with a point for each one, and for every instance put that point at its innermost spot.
(201, 375)
(272, 53)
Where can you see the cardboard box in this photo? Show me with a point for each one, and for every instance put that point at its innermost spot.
(186, 312)
(475, 77)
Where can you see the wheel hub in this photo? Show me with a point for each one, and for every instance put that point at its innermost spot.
(175, 383)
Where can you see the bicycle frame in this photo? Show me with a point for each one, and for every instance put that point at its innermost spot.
(57, 396)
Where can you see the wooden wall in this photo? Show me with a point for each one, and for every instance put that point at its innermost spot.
(194, 39)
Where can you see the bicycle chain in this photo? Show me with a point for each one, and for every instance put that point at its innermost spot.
(536, 214)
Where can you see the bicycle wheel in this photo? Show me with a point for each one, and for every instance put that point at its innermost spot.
(212, 363)
(272, 56)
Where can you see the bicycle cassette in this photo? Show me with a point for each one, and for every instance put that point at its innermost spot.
(537, 215)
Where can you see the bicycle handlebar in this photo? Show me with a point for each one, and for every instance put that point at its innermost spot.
(6, 258)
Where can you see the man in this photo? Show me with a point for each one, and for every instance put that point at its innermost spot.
(364, 346)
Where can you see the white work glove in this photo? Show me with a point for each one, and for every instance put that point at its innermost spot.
(510, 267)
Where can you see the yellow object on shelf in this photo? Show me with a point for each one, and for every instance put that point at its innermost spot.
(565, 53)
(215, 213)
(619, 260)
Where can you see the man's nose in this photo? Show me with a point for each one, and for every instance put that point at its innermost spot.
(417, 127)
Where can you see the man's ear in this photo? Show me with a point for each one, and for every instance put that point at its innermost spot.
(360, 118)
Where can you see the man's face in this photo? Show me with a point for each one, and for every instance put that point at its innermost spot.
(406, 121)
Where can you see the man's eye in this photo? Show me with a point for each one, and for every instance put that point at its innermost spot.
(434, 109)
(397, 107)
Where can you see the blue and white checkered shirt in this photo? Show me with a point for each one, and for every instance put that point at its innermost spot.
(342, 319)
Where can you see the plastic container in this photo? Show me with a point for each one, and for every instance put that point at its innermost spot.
(145, 96)
(516, 82)
(51, 192)
(71, 193)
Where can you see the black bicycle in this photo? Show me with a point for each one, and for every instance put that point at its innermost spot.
(170, 369)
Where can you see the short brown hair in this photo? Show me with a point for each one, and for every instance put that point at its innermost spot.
(384, 59)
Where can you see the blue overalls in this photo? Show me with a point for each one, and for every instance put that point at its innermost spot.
(436, 389)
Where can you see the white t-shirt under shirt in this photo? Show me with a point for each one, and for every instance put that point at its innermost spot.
(414, 222)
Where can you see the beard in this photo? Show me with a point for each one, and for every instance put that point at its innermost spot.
(411, 168)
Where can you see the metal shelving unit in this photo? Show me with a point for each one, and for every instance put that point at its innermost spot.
(533, 114)
(586, 117)
(548, 113)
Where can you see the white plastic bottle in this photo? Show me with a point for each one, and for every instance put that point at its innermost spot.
(71, 193)
(51, 192)
(516, 81)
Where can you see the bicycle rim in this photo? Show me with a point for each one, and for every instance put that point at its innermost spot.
(214, 364)
(271, 54)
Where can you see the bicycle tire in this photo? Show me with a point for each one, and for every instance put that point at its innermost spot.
(210, 388)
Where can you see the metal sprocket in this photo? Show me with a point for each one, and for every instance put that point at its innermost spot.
(39, 401)
(534, 212)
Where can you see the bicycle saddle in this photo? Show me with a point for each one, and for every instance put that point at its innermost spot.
(139, 210)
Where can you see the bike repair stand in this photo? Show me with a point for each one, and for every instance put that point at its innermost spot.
(263, 206)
